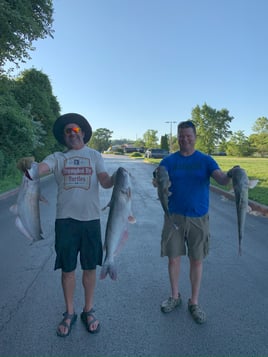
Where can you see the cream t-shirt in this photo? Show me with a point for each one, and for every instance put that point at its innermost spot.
(76, 172)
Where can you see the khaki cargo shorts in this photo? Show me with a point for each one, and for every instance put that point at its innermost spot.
(191, 236)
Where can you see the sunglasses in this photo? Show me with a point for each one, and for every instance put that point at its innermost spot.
(68, 131)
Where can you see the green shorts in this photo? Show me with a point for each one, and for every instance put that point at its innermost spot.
(191, 237)
(75, 237)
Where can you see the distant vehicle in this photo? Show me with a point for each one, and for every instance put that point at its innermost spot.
(131, 149)
(156, 153)
(221, 153)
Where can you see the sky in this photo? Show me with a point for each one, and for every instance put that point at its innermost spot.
(136, 65)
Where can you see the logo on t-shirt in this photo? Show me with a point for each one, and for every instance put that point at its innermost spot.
(77, 173)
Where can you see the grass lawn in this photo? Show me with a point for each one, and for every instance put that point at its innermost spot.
(256, 168)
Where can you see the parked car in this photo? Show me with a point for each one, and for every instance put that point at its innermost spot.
(221, 153)
(131, 149)
(156, 153)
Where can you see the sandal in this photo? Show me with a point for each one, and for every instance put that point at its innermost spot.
(84, 317)
(170, 304)
(197, 313)
(63, 323)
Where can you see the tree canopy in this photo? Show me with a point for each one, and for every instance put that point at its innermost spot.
(260, 125)
(212, 126)
(238, 145)
(33, 91)
(101, 139)
(150, 138)
(28, 110)
(164, 144)
(21, 23)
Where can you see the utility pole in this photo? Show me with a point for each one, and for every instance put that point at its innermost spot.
(170, 135)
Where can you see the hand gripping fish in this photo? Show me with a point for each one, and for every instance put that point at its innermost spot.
(27, 207)
(241, 184)
(117, 225)
(163, 183)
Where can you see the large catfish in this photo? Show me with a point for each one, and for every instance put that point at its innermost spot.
(241, 184)
(161, 178)
(27, 207)
(117, 225)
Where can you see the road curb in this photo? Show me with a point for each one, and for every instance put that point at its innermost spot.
(10, 193)
(14, 191)
(255, 206)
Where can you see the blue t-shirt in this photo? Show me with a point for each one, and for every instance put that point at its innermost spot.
(190, 179)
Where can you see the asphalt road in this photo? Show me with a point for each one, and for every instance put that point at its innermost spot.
(234, 291)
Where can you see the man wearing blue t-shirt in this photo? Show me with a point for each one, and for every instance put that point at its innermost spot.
(189, 172)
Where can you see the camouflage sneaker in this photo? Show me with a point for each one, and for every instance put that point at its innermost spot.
(170, 304)
(197, 313)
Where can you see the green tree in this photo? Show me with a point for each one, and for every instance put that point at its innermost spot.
(212, 126)
(164, 144)
(259, 143)
(260, 125)
(222, 145)
(175, 144)
(259, 140)
(20, 135)
(238, 145)
(101, 139)
(21, 23)
(17, 131)
(33, 92)
(150, 138)
(17, 134)
(139, 143)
